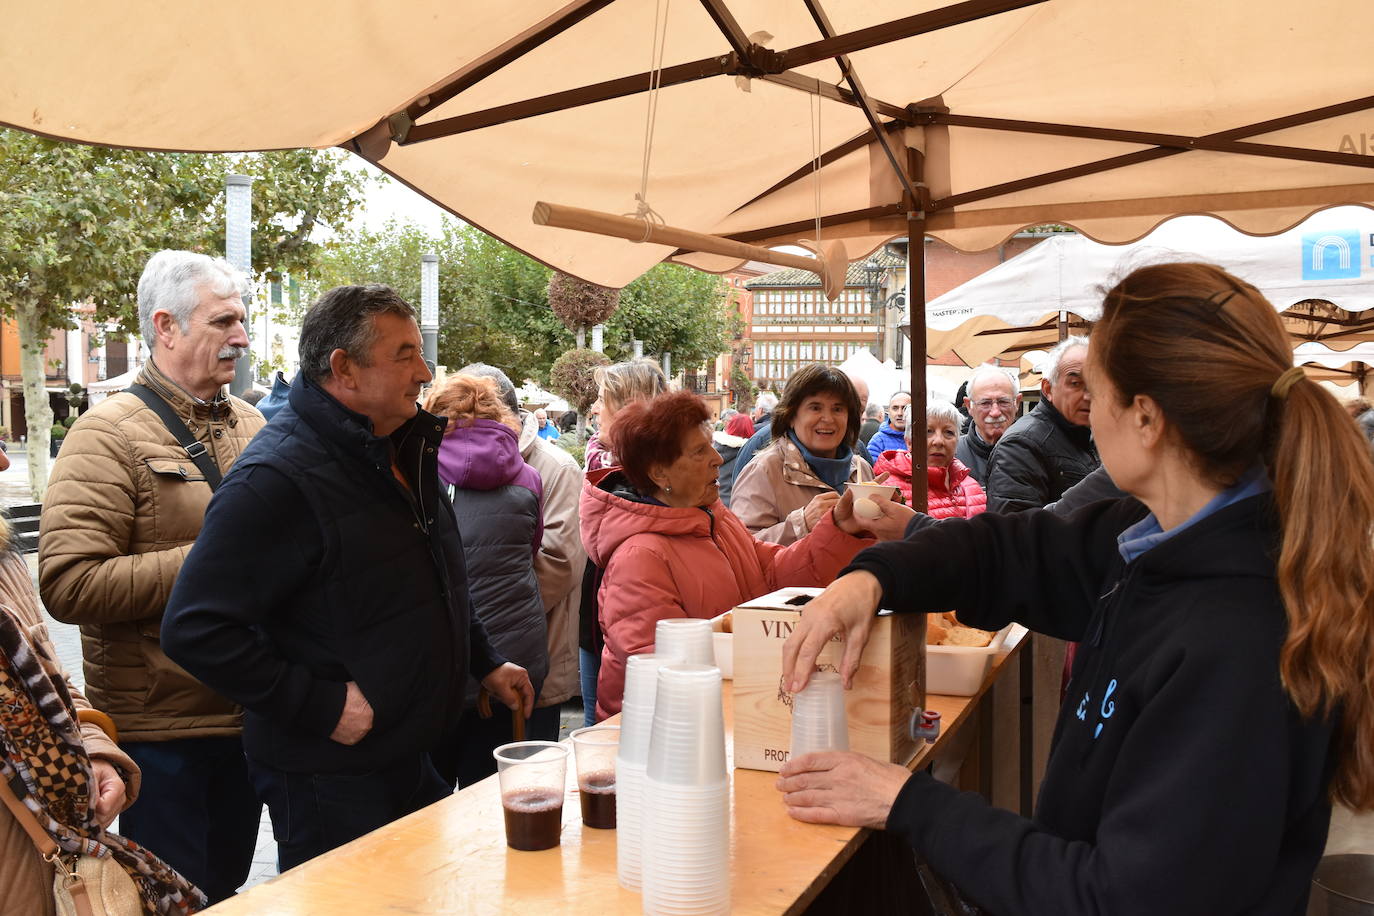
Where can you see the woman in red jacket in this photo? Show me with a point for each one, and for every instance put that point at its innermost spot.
(951, 491)
(670, 548)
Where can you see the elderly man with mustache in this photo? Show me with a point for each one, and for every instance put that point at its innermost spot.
(125, 502)
(992, 402)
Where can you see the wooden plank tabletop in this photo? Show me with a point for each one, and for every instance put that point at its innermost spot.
(452, 856)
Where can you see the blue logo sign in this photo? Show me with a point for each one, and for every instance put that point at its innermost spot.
(1331, 255)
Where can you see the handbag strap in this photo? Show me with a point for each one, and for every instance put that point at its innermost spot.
(195, 449)
(47, 846)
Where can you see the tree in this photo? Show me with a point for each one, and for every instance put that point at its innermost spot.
(573, 376)
(493, 306)
(494, 301)
(77, 224)
(674, 309)
(579, 304)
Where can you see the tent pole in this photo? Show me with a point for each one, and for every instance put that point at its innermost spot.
(916, 312)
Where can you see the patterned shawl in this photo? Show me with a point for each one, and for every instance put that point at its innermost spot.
(45, 764)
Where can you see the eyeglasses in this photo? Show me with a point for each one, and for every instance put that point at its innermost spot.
(987, 404)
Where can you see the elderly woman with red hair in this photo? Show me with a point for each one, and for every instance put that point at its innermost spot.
(670, 548)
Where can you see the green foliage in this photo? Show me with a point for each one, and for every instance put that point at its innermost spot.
(77, 223)
(572, 377)
(494, 306)
(58, 431)
(574, 445)
(676, 309)
(69, 421)
(742, 387)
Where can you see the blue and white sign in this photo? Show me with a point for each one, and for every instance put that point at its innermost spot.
(1332, 254)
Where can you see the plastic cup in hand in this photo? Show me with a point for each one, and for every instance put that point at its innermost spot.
(595, 750)
(689, 638)
(532, 775)
(818, 717)
(687, 746)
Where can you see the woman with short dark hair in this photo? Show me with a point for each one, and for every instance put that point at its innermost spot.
(784, 492)
(670, 548)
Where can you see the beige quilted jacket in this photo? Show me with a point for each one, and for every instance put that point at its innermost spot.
(123, 506)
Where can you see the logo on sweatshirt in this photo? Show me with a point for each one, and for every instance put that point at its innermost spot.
(1105, 711)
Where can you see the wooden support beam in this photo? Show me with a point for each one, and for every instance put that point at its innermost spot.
(507, 53)
(861, 97)
(756, 63)
(830, 268)
(725, 21)
(1116, 162)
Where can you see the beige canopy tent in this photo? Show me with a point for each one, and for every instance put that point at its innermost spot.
(966, 121)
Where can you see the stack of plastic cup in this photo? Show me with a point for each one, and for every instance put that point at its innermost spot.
(687, 797)
(818, 718)
(689, 638)
(636, 724)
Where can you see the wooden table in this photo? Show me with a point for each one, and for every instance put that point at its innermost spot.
(452, 856)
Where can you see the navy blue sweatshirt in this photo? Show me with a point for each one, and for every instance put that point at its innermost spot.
(1181, 778)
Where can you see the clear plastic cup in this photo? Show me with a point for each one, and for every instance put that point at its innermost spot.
(686, 867)
(532, 775)
(819, 722)
(629, 844)
(637, 707)
(687, 637)
(594, 752)
(687, 745)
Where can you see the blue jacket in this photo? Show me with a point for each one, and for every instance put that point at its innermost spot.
(316, 567)
(885, 439)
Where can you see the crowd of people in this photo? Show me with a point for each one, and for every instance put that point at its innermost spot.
(315, 613)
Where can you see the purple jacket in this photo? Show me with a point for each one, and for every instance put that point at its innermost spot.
(484, 455)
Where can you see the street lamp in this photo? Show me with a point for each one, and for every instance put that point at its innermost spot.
(238, 251)
(429, 306)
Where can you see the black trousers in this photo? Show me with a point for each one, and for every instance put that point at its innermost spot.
(313, 813)
(197, 810)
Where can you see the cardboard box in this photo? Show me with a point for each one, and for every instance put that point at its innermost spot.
(888, 687)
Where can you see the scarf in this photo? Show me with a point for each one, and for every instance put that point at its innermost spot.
(45, 764)
(833, 471)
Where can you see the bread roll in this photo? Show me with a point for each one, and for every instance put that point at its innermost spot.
(967, 636)
(935, 632)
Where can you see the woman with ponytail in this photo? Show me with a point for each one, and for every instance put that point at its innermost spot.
(1223, 693)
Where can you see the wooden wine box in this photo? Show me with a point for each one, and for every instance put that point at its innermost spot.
(888, 687)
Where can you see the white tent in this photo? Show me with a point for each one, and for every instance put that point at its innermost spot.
(98, 391)
(1330, 256)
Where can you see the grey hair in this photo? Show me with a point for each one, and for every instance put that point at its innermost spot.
(988, 370)
(767, 401)
(1050, 367)
(873, 412)
(172, 282)
(938, 410)
(344, 318)
(504, 389)
(630, 381)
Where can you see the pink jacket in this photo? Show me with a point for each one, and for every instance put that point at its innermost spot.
(661, 561)
(950, 492)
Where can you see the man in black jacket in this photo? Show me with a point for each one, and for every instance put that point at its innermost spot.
(327, 593)
(1049, 449)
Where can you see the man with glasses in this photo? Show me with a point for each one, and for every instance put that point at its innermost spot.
(993, 403)
(1049, 449)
